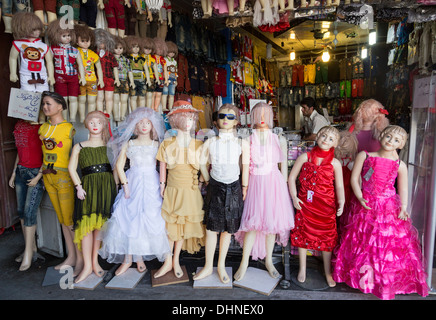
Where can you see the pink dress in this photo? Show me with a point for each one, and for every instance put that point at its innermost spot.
(221, 6)
(380, 253)
(267, 207)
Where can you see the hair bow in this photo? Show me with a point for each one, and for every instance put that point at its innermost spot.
(384, 111)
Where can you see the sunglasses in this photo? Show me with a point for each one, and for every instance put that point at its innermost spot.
(228, 116)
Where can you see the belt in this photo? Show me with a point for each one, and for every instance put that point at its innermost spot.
(97, 168)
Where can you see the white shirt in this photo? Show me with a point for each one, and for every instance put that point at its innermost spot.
(315, 122)
(224, 154)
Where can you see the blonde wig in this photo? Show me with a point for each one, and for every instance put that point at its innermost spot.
(397, 130)
(370, 110)
(105, 120)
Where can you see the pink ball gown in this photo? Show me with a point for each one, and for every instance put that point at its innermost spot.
(380, 253)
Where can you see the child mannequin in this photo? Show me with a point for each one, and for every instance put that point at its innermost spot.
(69, 70)
(268, 212)
(125, 77)
(96, 190)
(169, 89)
(224, 200)
(147, 49)
(368, 121)
(183, 203)
(136, 231)
(381, 239)
(26, 179)
(91, 62)
(105, 44)
(137, 92)
(45, 6)
(315, 226)
(160, 71)
(36, 61)
(57, 138)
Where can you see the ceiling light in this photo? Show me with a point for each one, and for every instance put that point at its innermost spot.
(372, 39)
(326, 35)
(325, 56)
(325, 25)
(292, 55)
(292, 35)
(364, 53)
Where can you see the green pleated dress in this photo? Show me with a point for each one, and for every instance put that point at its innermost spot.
(92, 212)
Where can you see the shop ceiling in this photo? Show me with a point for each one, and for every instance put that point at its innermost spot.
(311, 36)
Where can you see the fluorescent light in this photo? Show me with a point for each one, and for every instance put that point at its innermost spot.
(364, 53)
(326, 35)
(372, 39)
(292, 35)
(292, 55)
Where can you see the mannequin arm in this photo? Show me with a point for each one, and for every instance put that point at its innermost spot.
(13, 58)
(99, 74)
(156, 73)
(355, 179)
(162, 177)
(170, 24)
(403, 190)
(147, 74)
(160, 16)
(132, 82)
(339, 186)
(50, 67)
(245, 167)
(81, 70)
(284, 164)
(12, 179)
(127, 3)
(293, 178)
(100, 4)
(166, 76)
(204, 159)
(116, 77)
(119, 167)
(72, 169)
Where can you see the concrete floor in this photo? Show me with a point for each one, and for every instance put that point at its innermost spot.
(16, 285)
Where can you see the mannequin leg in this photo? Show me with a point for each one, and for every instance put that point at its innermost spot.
(207, 8)
(8, 24)
(269, 245)
(124, 106)
(303, 4)
(262, 4)
(82, 108)
(121, 33)
(72, 257)
(87, 258)
(40, 14)
(327, 259)
(20, 257)
(176, 258)
(167, 266)
(91, 104)
(112, 31)
(170, 102)
(157, 99)
(100, 101)
(290, 5)
(109, 99)
(141, 101)
(211, 240)
(117, 107)
(248, 245)
(241, 6)
(28, 251)
(302, 253)
(125, 265)
(72, 106)
(281, 6)
(95, 246)
(140, 265)
(224, 248)
(231, 7)
(149, 102)
(164, 100)
(336, 2)
(133, 102)
(312, 3)
(51, 16)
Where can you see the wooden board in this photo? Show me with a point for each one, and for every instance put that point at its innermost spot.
(127, 280)
(168, 278)
(258, 280)
(90, 283)
(213, 281)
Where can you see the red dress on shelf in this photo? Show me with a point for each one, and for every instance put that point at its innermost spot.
(315, 223)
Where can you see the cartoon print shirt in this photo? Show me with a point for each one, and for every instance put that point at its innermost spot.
(160, 62)
(65, 59)
(89, 58)
(32, 55)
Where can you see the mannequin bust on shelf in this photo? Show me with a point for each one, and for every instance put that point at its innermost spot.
(224, 201)
(182, 207)
(268, 215)
(319, 201)
(69, 70)
(96, 191)
(93, 71)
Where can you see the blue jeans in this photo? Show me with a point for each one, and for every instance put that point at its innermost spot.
(28, 198)
(18, 5)
(170, 89)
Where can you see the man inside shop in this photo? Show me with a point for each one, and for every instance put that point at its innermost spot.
(313, 121)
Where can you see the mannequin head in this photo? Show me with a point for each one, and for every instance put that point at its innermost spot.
(97, 123)
(104, 40)
(327, 138)
(393, 138)
(262, 116)
(147, 46)
(160, 47)
(347, 146)
(228, 116)
(120, 46)
(370, 112)
(84, 36)
(173, 50)
(58, 35)
(183, 116)
(133, 44)
(52, 103)
(26, 25)
(145, 127)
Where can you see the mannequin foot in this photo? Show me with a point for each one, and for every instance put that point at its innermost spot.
(123, 268)
(19, 258)
(239, 275)
(330, 281)
(205, 272)
(68, 262)
(98, 270)
(85, 273)
(166, 267)
(178, 272)
(224, 277)
(272, 270)
(26, 262)
(301, 277)
(140, 266)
